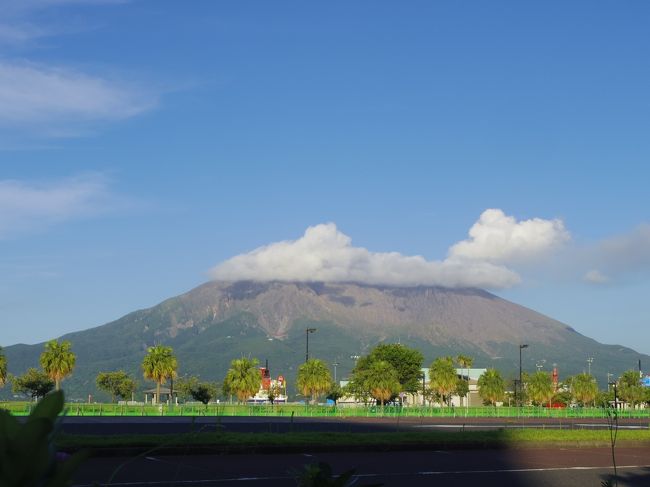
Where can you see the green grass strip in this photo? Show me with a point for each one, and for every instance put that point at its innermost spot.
(18, 408)
(233, 442)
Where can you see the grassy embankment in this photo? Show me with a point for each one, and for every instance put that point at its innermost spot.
(239, 442)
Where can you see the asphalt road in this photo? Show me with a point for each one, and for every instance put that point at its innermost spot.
(487, 468)
(173, 425)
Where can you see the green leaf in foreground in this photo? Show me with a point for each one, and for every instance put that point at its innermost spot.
(27, 453)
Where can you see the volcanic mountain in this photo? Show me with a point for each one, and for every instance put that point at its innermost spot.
(218, 321)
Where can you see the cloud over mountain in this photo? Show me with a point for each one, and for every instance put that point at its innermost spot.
(497, 237)
(326, 254)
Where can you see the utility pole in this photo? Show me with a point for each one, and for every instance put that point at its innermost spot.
(423, 389)
(335, 364)
(521, 385)
(307, 332)
(615, 395)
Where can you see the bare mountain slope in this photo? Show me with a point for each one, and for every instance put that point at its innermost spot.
(437, 315)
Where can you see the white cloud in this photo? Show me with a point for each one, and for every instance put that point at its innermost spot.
(499, 238)
(324, 253)
(594, 276)
(39, 95)
(46, 100)
(34, 206)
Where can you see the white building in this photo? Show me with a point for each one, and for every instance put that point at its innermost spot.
(416, 399)
(473, 395)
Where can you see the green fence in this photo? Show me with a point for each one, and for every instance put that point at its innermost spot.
(287, 410)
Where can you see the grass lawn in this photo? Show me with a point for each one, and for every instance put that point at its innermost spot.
(247, 442)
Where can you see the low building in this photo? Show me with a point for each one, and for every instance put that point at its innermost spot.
(474, 399)
(417, 400)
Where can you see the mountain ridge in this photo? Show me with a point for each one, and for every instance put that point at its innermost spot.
(217, 321)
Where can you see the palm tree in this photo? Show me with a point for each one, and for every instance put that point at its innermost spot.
(584, 388)
(58, 361)
(159, 365)
(540, 388)
(465, 361)
(382, 380)
(630, 388)
(443, 377)
(243, 378)
(3, 368)
(314, 378)
(491, 386)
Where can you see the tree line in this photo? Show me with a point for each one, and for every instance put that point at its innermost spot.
(389, 373)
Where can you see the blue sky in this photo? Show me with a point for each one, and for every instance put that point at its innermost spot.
(144, 144)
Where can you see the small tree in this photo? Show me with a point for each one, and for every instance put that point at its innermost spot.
(185, 385)
(583, 388)
(313, 379)
(464, 362)
(382, 381)
(491, 386)
(462, 389)
(243, 378)
(540, 388)
(443, 378)
(273, 392)
(159, 365)
(562, 398)
(335, 393)
(357, 387)
(34, 383)
(117, 383)
(630, 388)
(407, 362)
(58, 361)
(192, 388)
(204, 392)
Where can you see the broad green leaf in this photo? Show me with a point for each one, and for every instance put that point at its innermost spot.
(48, 407)
(9, 427)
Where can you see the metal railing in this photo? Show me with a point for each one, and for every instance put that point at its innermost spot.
(304, 410)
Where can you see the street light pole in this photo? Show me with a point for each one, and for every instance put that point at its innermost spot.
(615, 396)
(521, 385)
(335, 364)
(423, 389)
(307, 332)
(590, 360)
